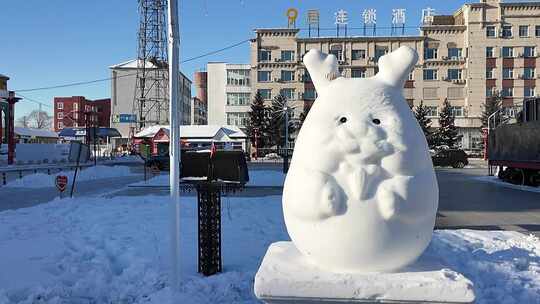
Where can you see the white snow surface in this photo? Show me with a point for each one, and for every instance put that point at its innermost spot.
(497, 181)
(42, 180)
(116, 250)
(256, 178)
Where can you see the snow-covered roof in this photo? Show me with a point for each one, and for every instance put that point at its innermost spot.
(132, 64)
(195, 131)
(35, 132)
(4, 76)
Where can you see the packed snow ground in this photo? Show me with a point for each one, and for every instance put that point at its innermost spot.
(100, 250)
(497, 181)
(42, 180)
(256, 178)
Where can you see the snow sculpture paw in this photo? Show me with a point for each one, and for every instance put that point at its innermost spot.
(361, 193)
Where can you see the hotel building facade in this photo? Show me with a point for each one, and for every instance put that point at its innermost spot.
(482, 49)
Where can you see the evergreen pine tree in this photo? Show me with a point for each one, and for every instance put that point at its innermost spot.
(303, 116)
(425, 123)
(276, 128)
(447, 133)
(258, 122)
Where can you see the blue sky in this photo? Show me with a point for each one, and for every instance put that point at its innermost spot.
(47, 43)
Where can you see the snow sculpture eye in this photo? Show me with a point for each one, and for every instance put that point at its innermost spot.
(376, 121)
(343, 120)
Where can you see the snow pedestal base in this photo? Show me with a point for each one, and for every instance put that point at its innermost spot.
(286, 276)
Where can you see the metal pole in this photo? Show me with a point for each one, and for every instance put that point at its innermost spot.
(174, 151)
(286, 144)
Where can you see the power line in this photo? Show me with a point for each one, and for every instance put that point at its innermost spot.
(33, 100)
(131, 74)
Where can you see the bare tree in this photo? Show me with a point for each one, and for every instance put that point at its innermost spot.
(23, 121)
(36, 119)
(40, 119)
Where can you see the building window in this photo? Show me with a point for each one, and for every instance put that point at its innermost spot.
(432, 111)
(358, 54)
(529, 92)
(287, 93)
(265, 55)
(454, 74)
(508, 73)
(523, 31)
(338, 54)
(411, 76)
(238, 99)
(240, 119)
(537, 30)
(60, 125)
(457, 111)
(430, 53)
(60, 105)
(306, 77)
(508, 52)
(75, 106)
(507, 31)
(528, 73)
(431, 93)
(265, 93)
(238, 77)
(507, 92)
(358, 73)
(310, 94)
(454, 53)
(60, 115)
(263, 76)
(379, 52)
(490, 31)
(508, 111)
(287, 75)
(490, 91)
(529, 51)
(287, 55)
(490, 73)
(430, 74)
(490, 53)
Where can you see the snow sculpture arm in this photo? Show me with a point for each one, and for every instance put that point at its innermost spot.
(316, 195)
(403, 197)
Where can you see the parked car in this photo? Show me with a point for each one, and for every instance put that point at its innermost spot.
(456, 158)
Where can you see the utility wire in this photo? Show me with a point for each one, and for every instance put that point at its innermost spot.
(126, 75)
(33, 100)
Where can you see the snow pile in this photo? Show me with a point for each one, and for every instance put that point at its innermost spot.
(99, 250)
(261, 178)
(497, 181)
(41, 180)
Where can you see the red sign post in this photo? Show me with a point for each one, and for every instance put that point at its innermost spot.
(61, 183)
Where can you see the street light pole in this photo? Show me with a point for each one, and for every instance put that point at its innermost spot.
(174, 149)
(286, 143)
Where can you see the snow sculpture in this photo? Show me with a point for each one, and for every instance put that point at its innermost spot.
(361, 194)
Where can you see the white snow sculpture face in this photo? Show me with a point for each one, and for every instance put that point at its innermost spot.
(361, 194)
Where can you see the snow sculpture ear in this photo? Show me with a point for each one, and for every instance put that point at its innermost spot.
(322, 68)
(395, 67)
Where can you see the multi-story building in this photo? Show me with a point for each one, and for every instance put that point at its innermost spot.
(482, 49)
(79, 112)
(229, 93)
(199, 103)
(3, 85)
(124, 76)
(199, 112)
